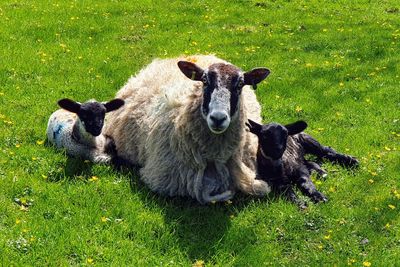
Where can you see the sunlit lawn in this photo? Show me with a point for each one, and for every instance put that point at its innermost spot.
(334, 64)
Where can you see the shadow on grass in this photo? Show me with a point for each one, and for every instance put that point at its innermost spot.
(199, 229)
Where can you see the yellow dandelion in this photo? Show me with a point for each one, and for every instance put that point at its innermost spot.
(370, 181)
(332, 189)
(277, 96)
(387, 226)
(309, 65)
(387, 148)
(373, 173)
(23, 208)
(40, 142)
(25, 230)
(231, 216)
(366, 264)
(44, 176)
(327, 237)
(32, 238)
(341, 84)
(391, 206)
(376, 209)
(324, 30)
(93, 179)
(63, 46)
(104, 219)
(318, 182)
(198, 263)
(298, 109)
(89, 261)
(17, 145)
(351, 261)
(17, 221)
(34, 158)
(24, 201)
(320, 246)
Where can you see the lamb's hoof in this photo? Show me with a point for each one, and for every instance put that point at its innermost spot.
(353, 162)
(302, 205)
(318, 197)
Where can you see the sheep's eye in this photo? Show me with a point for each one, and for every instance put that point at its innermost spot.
(240, 84)
(204, 80)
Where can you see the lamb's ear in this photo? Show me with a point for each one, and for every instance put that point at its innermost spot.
(191, 70)
(114, 104)
(254, 127)
(255, 76)
(69, 105)
(296, 127)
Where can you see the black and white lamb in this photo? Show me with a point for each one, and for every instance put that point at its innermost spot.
(77, 128)
(281, 162)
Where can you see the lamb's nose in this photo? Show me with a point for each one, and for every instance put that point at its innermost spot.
(218, 118)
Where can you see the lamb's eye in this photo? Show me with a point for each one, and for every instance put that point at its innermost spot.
(240, 84)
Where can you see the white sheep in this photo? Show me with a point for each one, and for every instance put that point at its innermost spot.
(77, 128)
(188, 135)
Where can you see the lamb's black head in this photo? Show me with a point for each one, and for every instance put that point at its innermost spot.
(272, 137)
(91, 113)
(222, 85)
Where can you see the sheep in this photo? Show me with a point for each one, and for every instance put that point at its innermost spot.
(77, 128)
(183, 124)
(281, 159)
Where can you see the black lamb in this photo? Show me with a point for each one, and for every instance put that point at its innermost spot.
(281, 162)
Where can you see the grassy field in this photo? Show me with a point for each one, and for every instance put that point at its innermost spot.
(333, 64)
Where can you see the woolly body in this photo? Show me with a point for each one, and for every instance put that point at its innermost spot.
(77, 128)
(161, 129)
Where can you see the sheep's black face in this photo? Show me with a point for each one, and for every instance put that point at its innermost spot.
(92, 116)
(222, 85)
(273, 139)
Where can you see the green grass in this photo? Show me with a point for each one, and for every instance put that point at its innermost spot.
(334, 64)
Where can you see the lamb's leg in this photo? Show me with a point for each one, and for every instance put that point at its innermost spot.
(312, 166)
(244, 178)
(282, 186)
(312, 146)
(308, 188)
(85, 152)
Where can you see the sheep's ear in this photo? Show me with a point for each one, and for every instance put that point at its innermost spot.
(255, 76)
(191, 70)
(114, 104)
(69, 105)
(254, 127)
(296, 127)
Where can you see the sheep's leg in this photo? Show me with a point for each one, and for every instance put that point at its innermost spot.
(312, 166)
(312, 146)
(215, 183)
(308, 188)
(207, 198)
(245, 179)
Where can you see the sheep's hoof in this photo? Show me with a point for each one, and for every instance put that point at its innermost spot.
(102, 159)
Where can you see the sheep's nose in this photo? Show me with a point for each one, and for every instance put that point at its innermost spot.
(218, 118)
